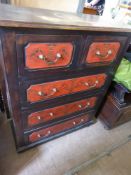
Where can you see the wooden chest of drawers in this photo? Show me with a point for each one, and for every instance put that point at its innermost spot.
(53, 79)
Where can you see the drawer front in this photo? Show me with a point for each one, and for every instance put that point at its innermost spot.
(50, 131)
(48, 55)
(102, 52)
(40, 92)
(60, 111)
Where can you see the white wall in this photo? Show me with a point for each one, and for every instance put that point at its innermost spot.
(109, 4)
(61, 5)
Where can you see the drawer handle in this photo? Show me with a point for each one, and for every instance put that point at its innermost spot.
(80, 106)
(42, 57)
(39, 135)
(87, 105)
(51, 114)
(40, 93)
(98, 53)
(92, 86)
(81, 121)
(39, 117)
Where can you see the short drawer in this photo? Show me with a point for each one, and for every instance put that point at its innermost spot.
(102, 52)
(44, 91)
(60, 111)
(59, 128)
(48, 55)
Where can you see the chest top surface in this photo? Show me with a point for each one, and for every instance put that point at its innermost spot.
(12, 16)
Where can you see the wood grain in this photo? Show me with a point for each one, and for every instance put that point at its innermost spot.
(58, 128)
(11, 16)
(60, 111)
(48, 55)
(54, 89)
(107, 52)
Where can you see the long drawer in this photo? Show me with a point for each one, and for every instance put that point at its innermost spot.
(59, 128)
(44, 91)
(45, 116)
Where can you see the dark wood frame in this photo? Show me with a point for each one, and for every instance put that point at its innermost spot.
(12, 78)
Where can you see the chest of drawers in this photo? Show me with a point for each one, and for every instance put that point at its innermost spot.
(54, 78)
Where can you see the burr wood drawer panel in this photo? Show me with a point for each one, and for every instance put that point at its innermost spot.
(102, 52)
(44, 91)
(60, 111)
(48, 55)
(58, 128)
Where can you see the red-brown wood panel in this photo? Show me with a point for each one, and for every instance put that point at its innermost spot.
(102, 52)
(58, 128)
(54, 89)
(48, 55)
(60, 111)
